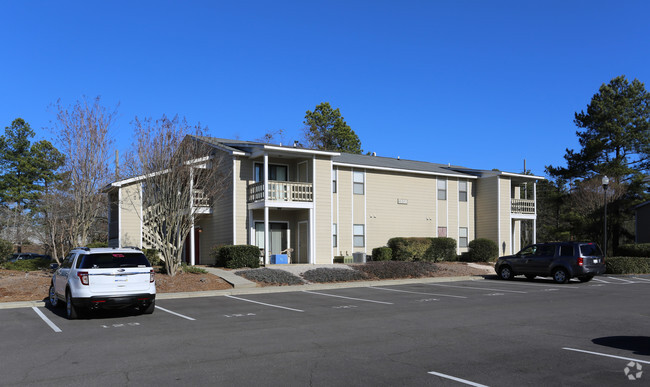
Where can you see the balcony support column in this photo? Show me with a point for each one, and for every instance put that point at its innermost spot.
(192, 241)
(266, 209)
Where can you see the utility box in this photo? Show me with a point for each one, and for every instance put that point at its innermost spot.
(279, 259)
(359, 257)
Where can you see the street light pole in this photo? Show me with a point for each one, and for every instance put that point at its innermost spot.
(605, 182)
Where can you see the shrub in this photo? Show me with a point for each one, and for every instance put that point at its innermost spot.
(271, 276)
(441, 249)
(28, 264)
(339, 259)
(192, 269)
(397, 269)
(6, 249)
(238, 256)
(634, 250)
(627, 265)
(153, 256)
(324, 274)
(382, 254)
(409, 249)
(483, 250)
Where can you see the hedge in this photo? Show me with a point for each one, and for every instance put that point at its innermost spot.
(441, 249)
(483, 250)
(382, 254)
(627, 265)
(634, 250)
(423, 249)
(28, 264)
(237, 256)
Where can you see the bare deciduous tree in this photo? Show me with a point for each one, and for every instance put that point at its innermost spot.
(83, 134)
(179, 173)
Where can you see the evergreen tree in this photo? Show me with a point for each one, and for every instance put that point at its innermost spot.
(325, 129)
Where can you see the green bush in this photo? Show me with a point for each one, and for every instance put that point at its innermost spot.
(237, 256)
(382, 254)
(6, 249)
(153, 256)
(627, 265)
(28, 264)
(483, 250)
(192, 269)
(441, 249)
(634, 250)
(395, 269)
(409, 249)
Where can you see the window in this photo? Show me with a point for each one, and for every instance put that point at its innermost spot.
(442, 232)
(566, 251)
(334, 234)
(358, 180)
(276, 172)
(334, 180)
(442, 189)
(359, 236)
(462, 237)
(462, 191)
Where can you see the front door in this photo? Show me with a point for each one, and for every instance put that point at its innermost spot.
(278, 238)
(303, 242)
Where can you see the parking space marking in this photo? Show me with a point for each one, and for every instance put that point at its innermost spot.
(348, 298)
(530, 284)
(621, 279)
(599, 280)
(642, 279)
(265, 304)
(174, 313)
(471, 287)
(457, 379)
(408, 291)
(47, 320)
(606, 355)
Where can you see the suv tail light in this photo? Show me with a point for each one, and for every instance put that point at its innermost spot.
(580, 261)
(83, 276)
(151, 276)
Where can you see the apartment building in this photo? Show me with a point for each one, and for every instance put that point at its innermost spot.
(321, 204)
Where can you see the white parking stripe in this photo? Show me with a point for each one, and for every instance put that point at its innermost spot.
(642, 279)
(174, 313)
(599, 280)
(457, 379)
(47, 320)
(606, 355)
(471, 287)
(262, 303)
(348, 298)
(406, 291)
(621, 279)
(527, 284)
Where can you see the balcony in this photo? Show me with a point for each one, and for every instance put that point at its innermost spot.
(522, 206)
(201, 202)
(281, 191)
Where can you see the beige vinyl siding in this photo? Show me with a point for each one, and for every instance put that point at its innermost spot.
(344, 211)
(487, 202)
(466, 213)
(323, 210)
(130, 216)
(243, 177)
(386, 218)
(359, 211)
(442, 207)
(505, 222)
(452, 209)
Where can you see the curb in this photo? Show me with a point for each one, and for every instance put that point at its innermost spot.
(274, 289)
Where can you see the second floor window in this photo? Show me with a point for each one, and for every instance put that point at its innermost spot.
(359, 179)
(442, 189)
(334, 180)
(462, 191)
(276, 172)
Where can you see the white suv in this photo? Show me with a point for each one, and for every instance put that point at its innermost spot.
(107, 278)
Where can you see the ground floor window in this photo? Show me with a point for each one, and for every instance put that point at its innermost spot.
(462, 237)
(359, 235)
(334, 234)
(442, 232)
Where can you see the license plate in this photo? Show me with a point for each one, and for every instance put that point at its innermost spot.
(596, 260)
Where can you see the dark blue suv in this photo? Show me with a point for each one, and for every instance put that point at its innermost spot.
(560, 260)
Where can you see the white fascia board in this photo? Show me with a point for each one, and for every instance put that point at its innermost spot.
(276, 148)
(519, 175)
(417, 172)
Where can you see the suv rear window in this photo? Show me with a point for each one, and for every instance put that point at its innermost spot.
(112, 260)
(590, 250)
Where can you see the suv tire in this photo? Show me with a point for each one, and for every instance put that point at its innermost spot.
(71, 311)
(560, 276)
(505, 273)
(54, 299)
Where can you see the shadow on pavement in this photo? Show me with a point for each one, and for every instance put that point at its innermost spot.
(640, 345)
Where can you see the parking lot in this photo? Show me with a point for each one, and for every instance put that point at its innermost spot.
(482, 332)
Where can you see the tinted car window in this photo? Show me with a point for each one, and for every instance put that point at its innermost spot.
(112, 260)
(545, 251)
(566, 251)
(67, 262)
(590, 250)
(528, 251)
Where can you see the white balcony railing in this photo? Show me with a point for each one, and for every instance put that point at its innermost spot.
(522, 206)
(283, 191)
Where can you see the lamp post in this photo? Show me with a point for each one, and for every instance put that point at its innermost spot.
(605, 182)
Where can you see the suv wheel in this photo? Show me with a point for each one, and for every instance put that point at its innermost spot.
(505, 273)
(560, 276)
(54, 300)
(71, 311)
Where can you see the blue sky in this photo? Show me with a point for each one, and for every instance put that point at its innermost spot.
(484, 84)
